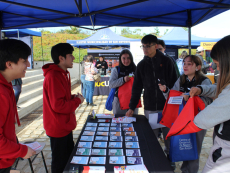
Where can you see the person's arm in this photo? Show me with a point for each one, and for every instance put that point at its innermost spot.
(206, 100)
(136, 89)
(114, 81)
(175, 87)
(93, 69)
(57, 95)
(96, 65)
(216, 113)
(106, 65)
(171, 76)
(8, 148)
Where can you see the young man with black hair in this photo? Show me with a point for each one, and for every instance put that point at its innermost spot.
(162, 48)
(155, 65)
(59, 105)
(13, 64)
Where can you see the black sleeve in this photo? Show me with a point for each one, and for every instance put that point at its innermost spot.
(136, 89)
(171, 76)
(106, 65)
(98, 62)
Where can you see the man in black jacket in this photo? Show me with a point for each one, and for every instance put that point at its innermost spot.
(154, 66)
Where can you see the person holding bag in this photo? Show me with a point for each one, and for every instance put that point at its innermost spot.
(192, 76)
(217, 114)
(126, 70)
(90, 70)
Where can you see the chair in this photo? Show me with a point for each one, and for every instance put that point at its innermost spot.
(30, 160)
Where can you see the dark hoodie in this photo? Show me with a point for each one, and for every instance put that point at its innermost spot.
(58, 104)
(148, 71)
(9, 148)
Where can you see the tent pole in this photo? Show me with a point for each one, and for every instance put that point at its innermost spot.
(42, 51)
(189, 24)
(189, 40)
(79, 65)
(18, 34)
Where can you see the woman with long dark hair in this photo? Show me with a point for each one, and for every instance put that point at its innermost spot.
(192, 76)
(127, 67)
(217, 114)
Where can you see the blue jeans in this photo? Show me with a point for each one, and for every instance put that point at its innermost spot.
(17, 92)
(83, 85)
(89, 91)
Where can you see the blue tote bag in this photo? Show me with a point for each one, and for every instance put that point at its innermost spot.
(109, 101)
(183, 147)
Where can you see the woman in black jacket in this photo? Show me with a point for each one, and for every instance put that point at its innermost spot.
(102, 64)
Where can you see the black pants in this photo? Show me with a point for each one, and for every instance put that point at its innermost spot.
(61, 149)
(5, 170)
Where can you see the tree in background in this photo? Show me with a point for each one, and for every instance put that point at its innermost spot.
(126, 31)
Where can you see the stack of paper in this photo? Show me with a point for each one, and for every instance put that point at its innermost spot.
(124, 120)
(105, 115)
(133, 169)
(93, 169)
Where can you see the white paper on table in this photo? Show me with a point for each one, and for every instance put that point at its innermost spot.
(153, 119)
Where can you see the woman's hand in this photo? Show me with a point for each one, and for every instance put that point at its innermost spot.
(194, 91)
(126, 78)
(162, 87)
(186, 97)
(98, 65)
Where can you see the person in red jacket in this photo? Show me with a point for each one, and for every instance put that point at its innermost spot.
(59, 105)
(13, 64)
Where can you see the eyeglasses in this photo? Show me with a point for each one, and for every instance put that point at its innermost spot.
(146, 47)
(160, 49)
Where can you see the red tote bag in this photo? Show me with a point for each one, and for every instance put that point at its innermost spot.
(170, 111)
(184, 123)
(125, 93)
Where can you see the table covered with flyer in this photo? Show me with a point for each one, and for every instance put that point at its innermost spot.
(110, 144)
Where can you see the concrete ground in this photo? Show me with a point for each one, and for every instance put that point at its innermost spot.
(32, 130)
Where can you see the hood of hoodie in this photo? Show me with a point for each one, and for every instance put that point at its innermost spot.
(9, 86)
(4, 82)
(50, 67)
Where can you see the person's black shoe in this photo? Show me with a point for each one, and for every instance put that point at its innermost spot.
(91, 104)
(87, 103)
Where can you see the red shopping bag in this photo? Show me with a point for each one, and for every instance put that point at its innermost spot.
(170, 111)
(184, 123)
(125, 93)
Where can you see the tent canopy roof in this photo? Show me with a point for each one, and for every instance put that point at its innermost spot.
(21, 32)
(178, 37)
(101, 39)
(53, 13)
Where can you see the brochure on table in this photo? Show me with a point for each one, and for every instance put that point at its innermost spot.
(93, 149)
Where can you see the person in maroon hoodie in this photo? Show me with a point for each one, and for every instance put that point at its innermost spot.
(13, 64)
(59, 105)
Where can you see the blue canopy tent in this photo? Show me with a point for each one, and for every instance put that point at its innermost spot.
(104, 39)
(79, 13)
(22, 33)
(178, 38)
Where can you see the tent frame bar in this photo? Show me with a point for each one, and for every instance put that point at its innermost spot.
(79, 7)
(71, 14)
(213, 3)
(43, 20)
(189, 23)
(90, 15)
(205, 14)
